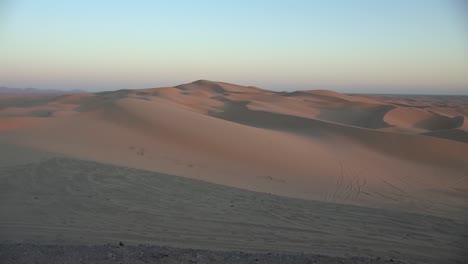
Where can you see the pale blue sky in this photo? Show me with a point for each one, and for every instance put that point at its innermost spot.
(417, 46)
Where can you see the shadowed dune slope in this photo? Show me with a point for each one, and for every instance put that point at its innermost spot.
(70, 201)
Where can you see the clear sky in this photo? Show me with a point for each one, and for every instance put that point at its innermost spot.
(409, 46)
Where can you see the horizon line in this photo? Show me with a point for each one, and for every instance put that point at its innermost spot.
(91, 90)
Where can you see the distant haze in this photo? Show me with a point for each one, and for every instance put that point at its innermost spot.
(363, 46)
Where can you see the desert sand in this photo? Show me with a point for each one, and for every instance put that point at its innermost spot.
(218, 166)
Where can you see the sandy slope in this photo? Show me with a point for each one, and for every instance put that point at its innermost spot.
(68, 201)
(401, 154)
(251, 138)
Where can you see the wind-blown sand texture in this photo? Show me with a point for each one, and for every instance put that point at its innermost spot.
(308, 171)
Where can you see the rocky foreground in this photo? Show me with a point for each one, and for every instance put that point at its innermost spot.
(50, 254)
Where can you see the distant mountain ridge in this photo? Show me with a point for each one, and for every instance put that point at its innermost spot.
(4, 89)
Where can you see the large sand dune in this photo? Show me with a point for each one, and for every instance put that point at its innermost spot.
(400, 154)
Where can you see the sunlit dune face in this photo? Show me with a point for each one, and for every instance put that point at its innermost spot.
(196, 100)
(21, 123)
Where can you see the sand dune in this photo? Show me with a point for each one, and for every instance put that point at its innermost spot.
(251, 138)
(375, 152)
(421, 120)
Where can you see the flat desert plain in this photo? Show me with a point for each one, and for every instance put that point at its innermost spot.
(211, 172)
